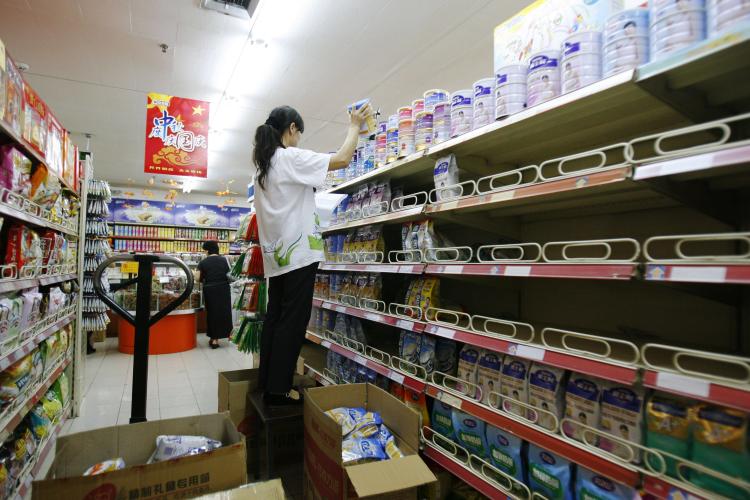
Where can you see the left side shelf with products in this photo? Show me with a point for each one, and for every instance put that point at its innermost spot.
(40, 216)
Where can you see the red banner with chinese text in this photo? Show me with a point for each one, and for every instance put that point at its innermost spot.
(176, 136)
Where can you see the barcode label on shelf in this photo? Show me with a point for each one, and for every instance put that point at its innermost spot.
(372, 316)
(445, 332)
(325, 344)
(340, 309)
(683, 383)
(450, 399)
(405, 269)
(502, 196)
(529, 352)
(517, 270)
(453, 269)
(381, 269)
(360, 360)
(404, 324)
(396, 377)
(705, 274)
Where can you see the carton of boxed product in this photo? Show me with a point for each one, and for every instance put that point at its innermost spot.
(187, 476)
(544, 25)
(325, 474)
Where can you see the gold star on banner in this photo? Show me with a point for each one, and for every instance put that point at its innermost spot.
(198, 110)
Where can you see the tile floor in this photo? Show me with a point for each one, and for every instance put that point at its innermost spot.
(179, 385)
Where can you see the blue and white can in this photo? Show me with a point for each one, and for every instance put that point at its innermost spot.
(626, 23)
(433, 97)
(676, 30)
(483, 102)
(508, 104)
(462, 111)
(723, 14)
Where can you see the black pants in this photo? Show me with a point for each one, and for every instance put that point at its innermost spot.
(289, 306)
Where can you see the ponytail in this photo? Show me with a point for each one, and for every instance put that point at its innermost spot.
(268, 138)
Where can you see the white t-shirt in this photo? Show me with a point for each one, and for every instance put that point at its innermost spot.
(288, 225)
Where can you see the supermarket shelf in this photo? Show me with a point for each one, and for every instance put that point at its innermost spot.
(699, 273)
(386, 371)
(43, 450)
(698, 388)
(588, 365)
(317, 376)
(10, 357)
(661, 488)
(29, 150)
(16, 413)
(33, 219)
(202, 228)
(715, 163)
(413, 164)
(163, 239)
(539, 270)
(480, 484)
(398, 217)
(374, 268)
(386, 319)
(22, 284)
(546, 440)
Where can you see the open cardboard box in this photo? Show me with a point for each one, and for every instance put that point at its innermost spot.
(327, 477)
(266, 490)
(184, 477)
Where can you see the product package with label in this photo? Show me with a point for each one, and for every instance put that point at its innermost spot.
(514, 384)
(547, 392)
(582, 404)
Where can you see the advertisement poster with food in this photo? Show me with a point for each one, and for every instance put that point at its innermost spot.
(235, 214)
(142, 211)
(176, 136)
(200, 215)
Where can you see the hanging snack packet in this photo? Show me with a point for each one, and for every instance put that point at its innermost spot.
(106, 466)
(169, 447)
(514, 384)
(591, 485)
(361, 449)
(489, 369)
(547, 392)
(470, 433)
(582, 404)
(549, 474)
(427, 352)
(445, 175)
(505, 451)
(409, 345)
(442, 419)
(668, 429)
(446, 356)
(468, 363)
(721, 443)
(622, 416)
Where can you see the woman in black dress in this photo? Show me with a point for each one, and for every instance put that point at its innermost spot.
(216, 296)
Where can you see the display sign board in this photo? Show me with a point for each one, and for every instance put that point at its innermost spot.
(179, 214)
(176, 136)
(142, 211)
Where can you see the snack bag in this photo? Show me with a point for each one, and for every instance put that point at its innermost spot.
(720, 442)
(591, 485)
(582, 403)
(11, 311)
(514, 384)
(427, 353)
(468, 360)
(39, 422)
(668, 429)
(445, 175)
(489, 368)
(23, 249)
(547, 392)
(106, 466)
(32, 308)
(442, 419)
(45, 187)
(549, 474)
(622, 416)
(446, 356)
(409, 345)
(430, 293)
(169, 447)
(388, 442)
(52, 405)
(361, 449)
(14, 380)
(470, 433)
(505, 451)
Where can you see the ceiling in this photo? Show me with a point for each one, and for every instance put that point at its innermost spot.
(94, 61)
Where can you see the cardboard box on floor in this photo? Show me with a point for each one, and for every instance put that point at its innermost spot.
(267, 490)
(327, 477)
(191, 476)
(234, 387)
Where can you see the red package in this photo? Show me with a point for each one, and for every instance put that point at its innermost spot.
(15, 171)
(23, 249)
(55, 138)
(13, 97)
(418, 402)
(70, 163)
(35, 119)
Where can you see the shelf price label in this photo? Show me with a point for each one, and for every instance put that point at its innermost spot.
(129, 267)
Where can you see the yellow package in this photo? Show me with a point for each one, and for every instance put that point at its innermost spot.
(430, 294)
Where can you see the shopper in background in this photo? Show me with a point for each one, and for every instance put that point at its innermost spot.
(213, 272)
(290, 236)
